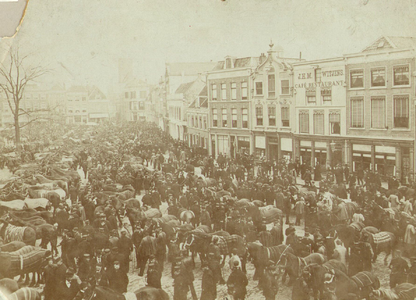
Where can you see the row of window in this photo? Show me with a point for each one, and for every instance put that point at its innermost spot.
(232, 93)
(271, 87)
(378, 77)
(326, 95)
(197, 122)
(78, 99)
(319, 122)
(137, 105)
(379, 112)
(77, 111)
(132, 95)
(285, 117)
(175, 112)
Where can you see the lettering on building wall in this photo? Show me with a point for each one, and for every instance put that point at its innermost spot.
(332, 73)
(310, 85)
(305, 76)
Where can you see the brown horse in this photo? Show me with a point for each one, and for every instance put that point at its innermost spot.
(361, 284)
(294, 265)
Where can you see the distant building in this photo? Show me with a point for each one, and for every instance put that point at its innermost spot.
(38, 104)
(380, 86)
(134, 96)
(197, 116)
(177, 105)
(175, 75)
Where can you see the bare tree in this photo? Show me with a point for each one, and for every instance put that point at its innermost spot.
(15, 74)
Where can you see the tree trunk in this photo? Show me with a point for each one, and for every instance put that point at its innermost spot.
(17, 135)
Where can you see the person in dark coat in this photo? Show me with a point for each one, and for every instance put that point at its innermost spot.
(317, 172)
(125, 247)
(277, 234)
(269, 283)
(69, 288)
(49, 276)
(118, 279)
(237, 283)
(208, 284)
(154, 275)
(399, 269)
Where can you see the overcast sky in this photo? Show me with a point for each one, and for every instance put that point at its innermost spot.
(88, 37)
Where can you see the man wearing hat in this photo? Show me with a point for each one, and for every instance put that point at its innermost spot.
(154, 275)
(208, 284)
(125, 247)
(399, 269)
(411, 278)
(269, 282)
(68, 288)
(85, 269)
(49, 275)
(117, 279)
(237, 283)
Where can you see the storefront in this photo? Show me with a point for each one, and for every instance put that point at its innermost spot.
(243, 144)
(260, 146)
(273, 148)
(286, 148)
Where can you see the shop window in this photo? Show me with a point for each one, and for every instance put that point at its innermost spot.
(259, 115)
(259, 88)
(214, 92)
(357, 113)
(272, 85)
(378, 113)
(224, 117)
(244, 113)
(401, 75)
(223, 91)
(326, 94)
(378, 77)
(272, 115)
(311, 96)
(318, 122)
(234, 118)
(233, 91)
(356, 79)
(304, 121)
(401, 111)
(244, 91)
(214, 117)
(335, 122)
(285, 89)
(285, 117)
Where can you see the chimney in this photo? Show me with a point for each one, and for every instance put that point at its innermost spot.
(300, 55)
(262, 58)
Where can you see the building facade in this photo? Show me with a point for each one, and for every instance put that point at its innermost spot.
(197, 116)
(320, 110)
(229, 94)
(273, 106)
(134, 95)
(380, 103)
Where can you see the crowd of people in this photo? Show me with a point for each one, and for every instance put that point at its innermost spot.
(124, 163)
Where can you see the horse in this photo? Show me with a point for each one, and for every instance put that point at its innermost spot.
(151, 293)
(11, 233)
(361, 284)
(294, 265)
(25, 293)
(403, 291)
(383, 241)
(9, 284)
(105, 293)
(262, 255)
(314, 275)
(186, 216)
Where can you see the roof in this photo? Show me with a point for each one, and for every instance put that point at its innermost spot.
(94, 91)
(188, 68)
(392, 42)
(134, 82)
(183, 87)
(244, 62)
(77, 89)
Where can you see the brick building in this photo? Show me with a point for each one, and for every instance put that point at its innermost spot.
(380, 104)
